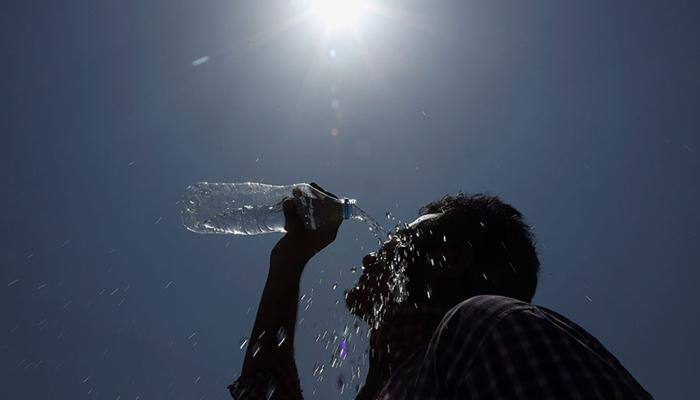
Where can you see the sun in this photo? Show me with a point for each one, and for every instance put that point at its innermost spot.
(338, 13)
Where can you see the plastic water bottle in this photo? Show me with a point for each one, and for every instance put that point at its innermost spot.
(253, 208)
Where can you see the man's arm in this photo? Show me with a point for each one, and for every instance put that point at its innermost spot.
(269, 367)
(275, 322)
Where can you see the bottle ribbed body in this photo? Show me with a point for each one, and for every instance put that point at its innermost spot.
(247, 208)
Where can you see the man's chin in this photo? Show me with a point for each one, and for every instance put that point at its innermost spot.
(370, 312)
(353, 304)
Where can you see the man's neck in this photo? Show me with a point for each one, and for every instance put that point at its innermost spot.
(400, 335)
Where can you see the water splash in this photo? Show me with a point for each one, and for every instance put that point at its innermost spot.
(375, 227)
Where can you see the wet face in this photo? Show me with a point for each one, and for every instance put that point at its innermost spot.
(372, 291)
(393, 272)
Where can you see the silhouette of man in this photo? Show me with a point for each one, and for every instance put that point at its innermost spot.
(448, 300)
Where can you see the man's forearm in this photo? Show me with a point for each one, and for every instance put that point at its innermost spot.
(271, 343)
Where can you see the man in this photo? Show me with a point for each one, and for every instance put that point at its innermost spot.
(448, 300)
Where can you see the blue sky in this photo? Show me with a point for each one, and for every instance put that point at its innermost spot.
(583, 115)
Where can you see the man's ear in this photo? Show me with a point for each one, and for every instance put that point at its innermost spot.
(453, 262)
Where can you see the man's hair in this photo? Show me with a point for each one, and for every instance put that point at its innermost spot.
(503, 244)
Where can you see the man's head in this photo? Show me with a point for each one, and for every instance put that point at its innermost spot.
(461, 246)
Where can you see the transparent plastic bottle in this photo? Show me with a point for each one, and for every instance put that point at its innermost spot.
(253, 208)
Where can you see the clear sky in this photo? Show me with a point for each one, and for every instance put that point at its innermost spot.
(582, 114)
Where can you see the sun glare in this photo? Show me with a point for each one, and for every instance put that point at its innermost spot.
(338, 13)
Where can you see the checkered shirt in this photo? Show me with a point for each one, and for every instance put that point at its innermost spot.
(487, 347)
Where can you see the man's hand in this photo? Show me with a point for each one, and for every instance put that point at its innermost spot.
(324, 209)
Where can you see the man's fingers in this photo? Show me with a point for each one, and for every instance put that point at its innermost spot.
(292, 218)
(290, 210)
(288, 206)
(324, 207)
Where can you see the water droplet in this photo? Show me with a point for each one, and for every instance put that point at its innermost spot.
(256, 349)
(270, 392)
(200, 61)
(353, 270)
(335, 286)
(515, 271)
(281, 336)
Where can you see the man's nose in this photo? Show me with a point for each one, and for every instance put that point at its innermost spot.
(369, 260)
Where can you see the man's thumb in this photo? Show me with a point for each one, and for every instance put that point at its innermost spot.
(292, 220)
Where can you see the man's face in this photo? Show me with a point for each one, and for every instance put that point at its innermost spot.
(388, 274)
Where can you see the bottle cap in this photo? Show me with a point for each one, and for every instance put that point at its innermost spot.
(347, 208)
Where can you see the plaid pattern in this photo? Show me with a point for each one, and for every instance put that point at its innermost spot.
(490, 347)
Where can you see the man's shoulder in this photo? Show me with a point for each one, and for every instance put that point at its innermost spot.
(463, 329)
(490, 300)
(480, 314)
(466, 324)
(486, 307)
